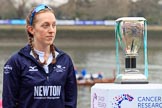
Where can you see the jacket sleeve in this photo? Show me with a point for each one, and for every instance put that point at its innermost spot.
(71, 89)
(11, 82)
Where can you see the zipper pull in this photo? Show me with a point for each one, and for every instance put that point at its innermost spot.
(47, 78)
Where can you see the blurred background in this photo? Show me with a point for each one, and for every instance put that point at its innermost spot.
(87, 9)
(85, 30)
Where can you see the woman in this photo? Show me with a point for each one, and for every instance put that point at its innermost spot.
(40, 75)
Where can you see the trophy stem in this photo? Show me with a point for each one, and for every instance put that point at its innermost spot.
(130, 62)
(131, 75)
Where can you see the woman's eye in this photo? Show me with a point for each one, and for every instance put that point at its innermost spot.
(53, 25)
(45, 26)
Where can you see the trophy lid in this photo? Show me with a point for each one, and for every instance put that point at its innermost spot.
(131, 19)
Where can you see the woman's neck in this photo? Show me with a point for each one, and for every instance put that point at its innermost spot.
(45, 49)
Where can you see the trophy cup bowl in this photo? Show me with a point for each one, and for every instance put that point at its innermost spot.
(130, 35)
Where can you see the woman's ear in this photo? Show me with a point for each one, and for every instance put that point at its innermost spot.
(30, 29)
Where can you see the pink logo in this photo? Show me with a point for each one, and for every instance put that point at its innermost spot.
(119, 99)
(94, 98)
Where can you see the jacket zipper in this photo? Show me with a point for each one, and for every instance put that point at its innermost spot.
(47, 78)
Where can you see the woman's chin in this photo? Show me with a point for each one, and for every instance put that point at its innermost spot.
(49, 43)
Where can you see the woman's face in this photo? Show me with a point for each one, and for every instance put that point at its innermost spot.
(44, 29)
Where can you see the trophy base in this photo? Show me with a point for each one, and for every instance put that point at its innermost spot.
(131, 79)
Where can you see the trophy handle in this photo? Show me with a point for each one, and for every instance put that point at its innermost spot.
(145, 50)
(117, 28)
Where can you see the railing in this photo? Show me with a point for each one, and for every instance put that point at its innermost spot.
(62, 22)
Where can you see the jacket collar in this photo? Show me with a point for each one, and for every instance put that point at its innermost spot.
(27, 49)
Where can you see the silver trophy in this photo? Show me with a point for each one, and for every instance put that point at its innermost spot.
(130, 33)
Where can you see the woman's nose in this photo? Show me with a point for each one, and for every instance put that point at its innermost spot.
(52, 29)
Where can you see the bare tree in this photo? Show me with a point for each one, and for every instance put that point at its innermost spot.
(7, 10)
(101, 9)
(88, 9)
(145, 8)
(20, 6)
(67, 11)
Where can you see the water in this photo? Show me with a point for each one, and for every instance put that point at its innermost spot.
(94, 53)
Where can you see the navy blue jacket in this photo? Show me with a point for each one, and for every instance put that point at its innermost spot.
(27, 85)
